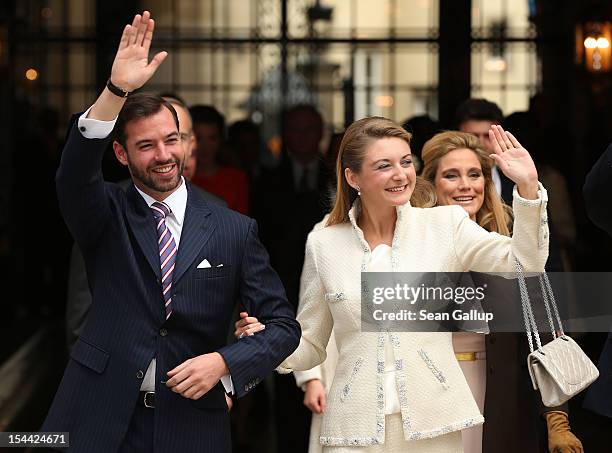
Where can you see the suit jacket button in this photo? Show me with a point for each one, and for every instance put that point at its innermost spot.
(163, 332)
(140, 374)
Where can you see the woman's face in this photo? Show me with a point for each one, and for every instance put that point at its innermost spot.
(459, 180)
(387, 176)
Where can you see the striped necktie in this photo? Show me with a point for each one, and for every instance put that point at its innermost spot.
(167, 251)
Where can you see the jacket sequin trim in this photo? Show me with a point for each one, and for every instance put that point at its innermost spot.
(346, 390)
(433, 368)
(414, 435)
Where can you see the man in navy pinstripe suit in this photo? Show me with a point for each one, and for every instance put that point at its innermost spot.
(165, 267)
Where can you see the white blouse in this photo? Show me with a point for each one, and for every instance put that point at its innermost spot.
(380, 261)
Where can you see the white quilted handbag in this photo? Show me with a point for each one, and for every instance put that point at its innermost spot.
(559, 369)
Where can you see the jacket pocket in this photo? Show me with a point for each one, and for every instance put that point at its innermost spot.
(213, 272)
(89, 356)
(438, 374)
(346, 389)
(335, 297)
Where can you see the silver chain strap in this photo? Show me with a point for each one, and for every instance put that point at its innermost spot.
(551, 296)
(531, 327)
(547, 306)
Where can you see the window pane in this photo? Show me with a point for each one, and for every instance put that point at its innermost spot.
(395, 81)
(364, 18)
(510, 76)
(490, 18)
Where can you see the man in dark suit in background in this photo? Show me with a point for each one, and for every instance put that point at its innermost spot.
(165, 268)
(598, 190)
(290, 200)
(293, 196)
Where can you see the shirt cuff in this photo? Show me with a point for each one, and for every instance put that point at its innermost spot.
(302, 377)
(92, 128)
(228, 384)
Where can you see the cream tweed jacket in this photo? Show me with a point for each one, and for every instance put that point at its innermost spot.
(434, 396)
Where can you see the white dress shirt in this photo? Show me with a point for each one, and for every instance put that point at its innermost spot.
(176, 201)
(496, 179)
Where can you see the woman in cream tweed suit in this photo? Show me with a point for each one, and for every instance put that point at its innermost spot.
(401, 391)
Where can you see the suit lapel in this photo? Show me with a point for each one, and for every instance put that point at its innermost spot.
(198, 227)
(141, 222)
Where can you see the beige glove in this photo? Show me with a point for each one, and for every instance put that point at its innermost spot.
(560, 437)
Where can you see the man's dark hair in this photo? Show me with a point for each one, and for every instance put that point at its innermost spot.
(422, 128)
(138, 106)
(479, 110)
(207, 114)
(299, 108)
(241, 127)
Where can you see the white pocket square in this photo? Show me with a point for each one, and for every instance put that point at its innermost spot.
(204, 264)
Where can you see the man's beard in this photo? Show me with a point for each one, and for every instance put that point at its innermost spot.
(148, 179)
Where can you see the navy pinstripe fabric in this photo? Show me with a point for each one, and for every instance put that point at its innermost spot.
(116, 232)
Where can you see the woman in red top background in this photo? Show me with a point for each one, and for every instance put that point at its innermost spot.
(212, 175)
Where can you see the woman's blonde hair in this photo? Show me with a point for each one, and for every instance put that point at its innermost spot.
(355, 142)
(494, 215)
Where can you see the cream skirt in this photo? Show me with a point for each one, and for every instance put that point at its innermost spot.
(395, 443)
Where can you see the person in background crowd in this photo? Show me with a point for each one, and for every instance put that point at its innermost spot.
(187, 138)
(191, 164)
(597, 191)
(245, 140)
(212, 173)
(422, 128)
(460, 170)
(299, 185)
(41, 256)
